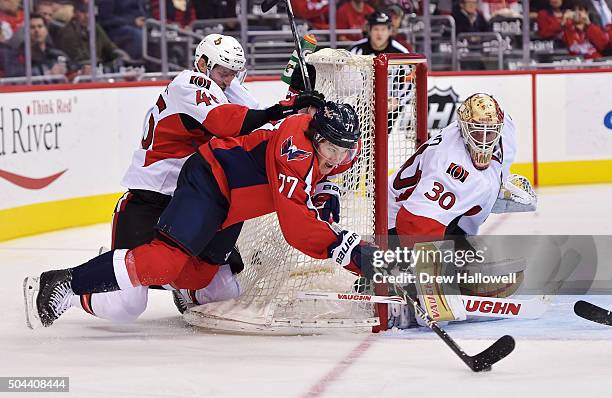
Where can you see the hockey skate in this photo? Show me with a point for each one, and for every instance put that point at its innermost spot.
(47, 297)
(184, 299)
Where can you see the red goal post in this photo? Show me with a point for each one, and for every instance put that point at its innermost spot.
(382, 141)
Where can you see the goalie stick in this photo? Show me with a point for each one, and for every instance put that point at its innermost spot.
(593, 313)
(486, 307)
(479, 362)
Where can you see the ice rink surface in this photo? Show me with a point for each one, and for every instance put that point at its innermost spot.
(559, 355)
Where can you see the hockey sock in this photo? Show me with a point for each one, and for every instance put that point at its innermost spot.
(95, 276)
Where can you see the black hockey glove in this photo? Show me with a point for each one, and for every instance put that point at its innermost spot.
(294, 104)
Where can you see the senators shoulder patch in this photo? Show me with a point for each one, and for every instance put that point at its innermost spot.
(293, 152)
(457, 172)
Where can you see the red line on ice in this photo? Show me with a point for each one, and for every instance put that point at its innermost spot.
(320, 386)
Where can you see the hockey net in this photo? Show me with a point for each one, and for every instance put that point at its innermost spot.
(389, 94)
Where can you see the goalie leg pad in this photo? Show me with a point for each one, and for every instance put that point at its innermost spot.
(441, 300)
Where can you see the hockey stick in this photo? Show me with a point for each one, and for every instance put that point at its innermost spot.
(265, 7)
(593, 313)
(351, 297)
(486, 307)
(479, 362)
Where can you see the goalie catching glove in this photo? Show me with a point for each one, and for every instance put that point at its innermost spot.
(515, 195)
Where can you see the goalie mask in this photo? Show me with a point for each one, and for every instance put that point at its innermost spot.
(481, 121)
(220, 50)
(337, 133)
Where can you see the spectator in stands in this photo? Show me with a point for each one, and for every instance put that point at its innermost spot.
(63, 10)
(599, 12)
(408, 6)
(396, 13)
(46, 60)
(11, 21)
(552, 19)
(468, 17)
(47, 9)
(583, 37)
(212, 9)
(535, 6)
(73, 39)
(379, 38)
(181, 13)
(316, 12)
(352, 15)
(500, 8)
(123, 20)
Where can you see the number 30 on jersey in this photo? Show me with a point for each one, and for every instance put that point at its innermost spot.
(446, 200)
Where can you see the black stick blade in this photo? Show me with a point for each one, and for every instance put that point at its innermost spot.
(495, 353)
(593, 313)
(268, 4)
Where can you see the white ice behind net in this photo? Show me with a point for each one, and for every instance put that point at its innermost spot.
(274, 271)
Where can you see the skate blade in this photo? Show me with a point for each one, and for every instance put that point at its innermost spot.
(30, 291)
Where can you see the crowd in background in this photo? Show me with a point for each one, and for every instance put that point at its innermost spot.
(60, 38)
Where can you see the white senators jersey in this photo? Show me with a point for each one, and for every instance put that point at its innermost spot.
(236, 93)
(188, 113)
(440, 182)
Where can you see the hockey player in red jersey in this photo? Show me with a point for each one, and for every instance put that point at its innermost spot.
(197, 105)
(227, 181)
(450, 185)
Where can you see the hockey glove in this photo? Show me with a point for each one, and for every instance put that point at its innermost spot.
(294, 104)
(355, 255)
(327, 201)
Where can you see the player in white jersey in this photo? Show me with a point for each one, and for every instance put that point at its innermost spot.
(449, 186)
(455, 177)
(197, 105)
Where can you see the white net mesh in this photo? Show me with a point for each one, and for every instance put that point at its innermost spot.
(274, 271)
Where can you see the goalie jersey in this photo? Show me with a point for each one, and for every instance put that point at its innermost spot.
(189, 112)
(439, 187)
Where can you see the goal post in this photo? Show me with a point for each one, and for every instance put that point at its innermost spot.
(389, 94)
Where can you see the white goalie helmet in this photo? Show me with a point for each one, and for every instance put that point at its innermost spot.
(220, 50)
(481, 121)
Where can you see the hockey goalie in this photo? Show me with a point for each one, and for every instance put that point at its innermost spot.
(441, 196)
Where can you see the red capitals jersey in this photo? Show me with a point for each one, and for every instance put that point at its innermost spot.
(274, 170)
(187, 114)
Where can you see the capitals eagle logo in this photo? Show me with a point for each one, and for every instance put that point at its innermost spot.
(292, 152)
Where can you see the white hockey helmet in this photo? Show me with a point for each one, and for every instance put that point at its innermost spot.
(481, 121)
(220, 50)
